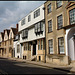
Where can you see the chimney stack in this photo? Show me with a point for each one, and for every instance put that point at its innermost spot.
(17, 25)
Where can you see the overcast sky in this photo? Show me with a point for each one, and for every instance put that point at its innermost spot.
(13, 11)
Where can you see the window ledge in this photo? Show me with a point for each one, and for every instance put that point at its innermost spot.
(50, 32)
(58, 7)
(60, 28)
(50, 12)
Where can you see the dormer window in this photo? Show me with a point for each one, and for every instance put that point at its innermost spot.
(37, 13)
(25, 33)
(23, 22)
(29, 18)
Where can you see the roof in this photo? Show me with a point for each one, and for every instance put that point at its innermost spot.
(15, 30)
(2, 35)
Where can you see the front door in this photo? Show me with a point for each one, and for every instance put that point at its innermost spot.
(34, 49)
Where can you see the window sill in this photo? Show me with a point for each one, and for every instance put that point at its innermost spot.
(50, 32)
(60, 28)
(58, 7)
(49, 13)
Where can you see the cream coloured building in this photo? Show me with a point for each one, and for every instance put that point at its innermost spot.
(58, 25)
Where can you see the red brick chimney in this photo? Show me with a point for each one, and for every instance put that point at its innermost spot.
(17, 25)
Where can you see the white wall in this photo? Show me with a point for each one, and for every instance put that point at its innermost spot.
(33, 20)
(0, 37)
(32, 35)
(15, 46)
(70, 45)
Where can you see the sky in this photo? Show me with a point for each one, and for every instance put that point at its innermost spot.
(13, 11)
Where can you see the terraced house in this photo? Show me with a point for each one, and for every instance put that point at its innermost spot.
(32, 35)
(60, 31)
(46, 34)
(6, 42)
(2, 44)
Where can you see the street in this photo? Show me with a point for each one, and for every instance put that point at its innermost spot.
(14, 67)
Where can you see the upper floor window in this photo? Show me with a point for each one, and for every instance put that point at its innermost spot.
(29, 18)
(49, 8)
(39, 27)
(36, 13)
(61, 45)
(50, 43)
(59, 3)
(23, 22)
(25, 33)
(72, 16)
(50, 26)
(60, 21)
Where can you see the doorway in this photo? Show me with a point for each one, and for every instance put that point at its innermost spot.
(34, 49)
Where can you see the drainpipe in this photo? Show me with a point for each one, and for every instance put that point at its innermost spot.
(45, 34)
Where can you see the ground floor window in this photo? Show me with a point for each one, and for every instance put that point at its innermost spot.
(25, 46)
(61, 45)
(18, 48)
(50, 43)
(40, 44)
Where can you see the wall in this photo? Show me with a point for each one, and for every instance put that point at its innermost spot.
(55, 34)
(33, 21)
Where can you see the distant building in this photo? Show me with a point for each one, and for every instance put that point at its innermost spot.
(6, 42)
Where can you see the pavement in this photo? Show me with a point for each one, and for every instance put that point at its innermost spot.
(68, 68)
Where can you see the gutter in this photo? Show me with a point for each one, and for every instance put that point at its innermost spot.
(45, 33)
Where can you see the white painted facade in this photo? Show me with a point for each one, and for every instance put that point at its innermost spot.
(30, 25)
(15, 48)
(70, 43)
(33, 20)
(31, 29)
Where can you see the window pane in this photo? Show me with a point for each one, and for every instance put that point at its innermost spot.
(59, 3)
(50, 46)
(36, 28)
(60, 22)
(23, 22)
(29, 18)
(49, 8)
(72, 16)
(50, 26)
(41, 26)
(36, 13)
(61, 45)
